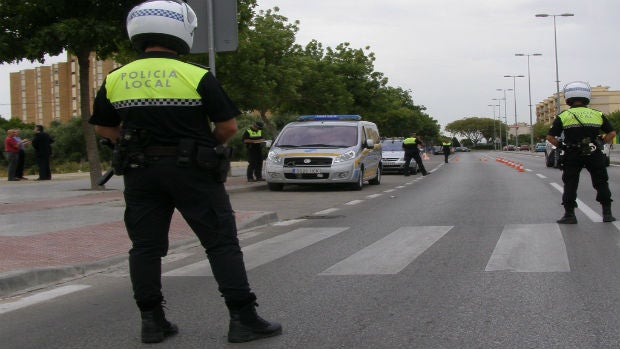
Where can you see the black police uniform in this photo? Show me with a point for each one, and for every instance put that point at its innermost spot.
(168, 102)
(446, 150)
(410, 145)
(255, 154)
(583, 148)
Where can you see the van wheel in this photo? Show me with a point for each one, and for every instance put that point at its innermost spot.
(360, 180)
(377, 179)
(275, 186)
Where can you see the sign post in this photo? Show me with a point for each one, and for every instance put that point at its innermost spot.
(217, 27)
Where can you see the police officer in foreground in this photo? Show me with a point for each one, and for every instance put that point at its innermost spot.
(253, 139)
(446, 145)
(410, 145)
(158, 110)
(582, 147)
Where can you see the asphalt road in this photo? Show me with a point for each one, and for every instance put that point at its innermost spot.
(467, 257)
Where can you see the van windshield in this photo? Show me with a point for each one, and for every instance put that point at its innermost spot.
(336, 136)
(392, 145)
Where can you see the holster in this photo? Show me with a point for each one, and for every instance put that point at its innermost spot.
(215, 160)
(129, 151)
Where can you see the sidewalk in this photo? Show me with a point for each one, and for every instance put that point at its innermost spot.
(58, 230)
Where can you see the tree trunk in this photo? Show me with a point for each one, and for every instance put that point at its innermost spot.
(92, 150)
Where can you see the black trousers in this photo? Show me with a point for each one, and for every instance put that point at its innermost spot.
(43, 162)
(595, 164)
(21, 160)
(151, 195)
(255, 163)
(446, 153)
(416, 157)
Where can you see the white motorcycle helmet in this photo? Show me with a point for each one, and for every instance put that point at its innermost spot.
(169, 23)
(577, 89)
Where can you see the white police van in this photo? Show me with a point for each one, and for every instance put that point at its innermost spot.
(325, 149)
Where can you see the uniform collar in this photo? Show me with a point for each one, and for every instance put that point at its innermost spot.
(158, 54)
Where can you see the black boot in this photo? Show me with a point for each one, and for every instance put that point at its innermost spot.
(246, 325)
(155, 327)
(607, 216)
(569, 216)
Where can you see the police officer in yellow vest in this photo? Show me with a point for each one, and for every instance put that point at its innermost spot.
(410, 145)
(253, 139)
(582, 147)
(158, 111)
(446, 146)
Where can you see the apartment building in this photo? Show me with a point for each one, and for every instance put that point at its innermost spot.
(52, 93)
(602, 99)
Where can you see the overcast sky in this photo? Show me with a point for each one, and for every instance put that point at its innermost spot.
(453, 54)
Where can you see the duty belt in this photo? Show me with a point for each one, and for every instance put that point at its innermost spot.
(160, 151)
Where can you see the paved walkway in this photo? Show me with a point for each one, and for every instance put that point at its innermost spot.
(59, 229)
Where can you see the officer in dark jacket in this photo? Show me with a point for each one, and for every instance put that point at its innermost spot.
(582, 147)
(254, 141)
(42, 144)
(446, 146)
(410, 145)
(158, 110)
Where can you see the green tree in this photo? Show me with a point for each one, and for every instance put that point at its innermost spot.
(474, 129)
(264, 71)
(31, 29)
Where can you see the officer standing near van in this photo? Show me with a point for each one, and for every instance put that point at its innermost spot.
(410, 145)
(582, 147)
(157, 110)
(253, 139)
(446, 145)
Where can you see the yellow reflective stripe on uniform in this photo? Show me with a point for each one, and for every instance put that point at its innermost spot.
(409, 140)
(155, 81)
(587, 117)
(447, 143)
(255, 134)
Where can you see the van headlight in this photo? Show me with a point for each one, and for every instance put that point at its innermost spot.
(345, 156)
(274, 159)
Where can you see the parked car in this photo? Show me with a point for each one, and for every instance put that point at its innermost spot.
(393, 157)
(524, 147)
(540, 147)
(510, 147)
(465, 149)
(437, 150)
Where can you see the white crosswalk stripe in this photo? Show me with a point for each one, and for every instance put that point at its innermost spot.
(267, 250)
(391, 254)
(530, 248)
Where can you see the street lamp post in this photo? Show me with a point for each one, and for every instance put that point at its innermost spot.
(505, 113)
(555, 41)
(514, 93)
(494, 133)
(529, 91)
(499, 118)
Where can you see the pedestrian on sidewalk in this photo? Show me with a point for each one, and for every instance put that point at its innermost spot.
(42, 144)
(11, 152)
(254, 141)
(21, 159)
(178, 161)
(411, 146)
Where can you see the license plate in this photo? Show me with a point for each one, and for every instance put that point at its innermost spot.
(389, 163)
(306, 170)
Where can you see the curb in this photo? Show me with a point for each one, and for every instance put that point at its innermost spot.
(17, 282)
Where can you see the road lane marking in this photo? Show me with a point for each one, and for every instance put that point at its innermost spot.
(40, 297)
(266, 251)
(391, 254)
(374, 196)
(324, 212)
(541, 176)
(532, 248)
(354, 202)
(594, 217)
